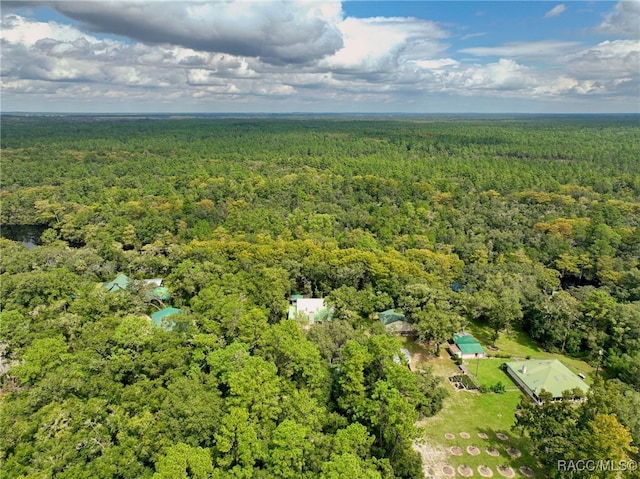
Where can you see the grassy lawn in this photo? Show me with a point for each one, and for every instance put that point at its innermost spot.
(518, 345)
(475, 413)
(487, 372)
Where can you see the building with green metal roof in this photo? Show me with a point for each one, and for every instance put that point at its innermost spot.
(395, 322)
(535, 375)
(390, 316)
(466, 346)
(120, 283)
(159, 293)
(161, 319)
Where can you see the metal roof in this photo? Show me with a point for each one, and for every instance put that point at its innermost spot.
(390, 316)
(158, 317)
(121, 282)
(550, 375)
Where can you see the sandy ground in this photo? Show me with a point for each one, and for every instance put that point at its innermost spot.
(436, 465)
(485, 471)
(434, 459)
(506, 471)
(525, 471)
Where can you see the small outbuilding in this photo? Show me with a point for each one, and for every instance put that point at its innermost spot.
(395, 323)
(466, 346)
(536, 375)
(404, 353)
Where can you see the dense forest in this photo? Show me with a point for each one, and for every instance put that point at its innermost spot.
(528, 223)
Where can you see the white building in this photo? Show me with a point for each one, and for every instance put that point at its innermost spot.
(313, 309)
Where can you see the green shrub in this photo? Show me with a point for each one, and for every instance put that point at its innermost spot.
(498, 388)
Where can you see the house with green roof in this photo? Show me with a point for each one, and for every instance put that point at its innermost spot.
(536, 375)
(465, 346)
(161, 318)
(395, 323)
(120, 283)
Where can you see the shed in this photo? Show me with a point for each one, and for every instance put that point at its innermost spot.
(404, 352)
(466, 346)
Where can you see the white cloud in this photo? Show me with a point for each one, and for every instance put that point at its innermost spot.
(473, 35)
(623, 20)
(502, 76)
(546, 49)
(556, 11)
(436, 64)
(291, 31)
(607, 61)
(17, 29)
(379, 44)
(376, 61)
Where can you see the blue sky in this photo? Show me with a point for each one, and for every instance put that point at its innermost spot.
(309, 56)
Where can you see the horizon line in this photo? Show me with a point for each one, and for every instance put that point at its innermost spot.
(303, 113)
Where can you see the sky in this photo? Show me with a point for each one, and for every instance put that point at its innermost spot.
(273, 56)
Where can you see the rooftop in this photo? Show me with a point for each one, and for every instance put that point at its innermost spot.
(390, 316)
(464, 339)
(157, 318)
(121, 282)
(548, 374)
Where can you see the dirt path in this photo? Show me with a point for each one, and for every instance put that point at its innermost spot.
(434, 459)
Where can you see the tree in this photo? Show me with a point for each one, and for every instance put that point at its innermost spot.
(184, 462)
(296, 358)
(349, 465)
(605, 439)
(551, 428)
(41, 357)
(433, 312)
(393, 419)
(558, 321)
(238, 446)
(290, 450)
(353, 393)
(500, 310)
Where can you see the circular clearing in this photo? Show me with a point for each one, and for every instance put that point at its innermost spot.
(473, 450)
(448, 435)
(456, 451)
(448, 471)
(484, 471)
(502, 437)
(526, 471)
(483, 435)
(506, 471)
(492, 451)
(465, 435)
(465, 471)
(513, 452)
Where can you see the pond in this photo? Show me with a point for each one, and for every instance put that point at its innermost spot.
(28, 235)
